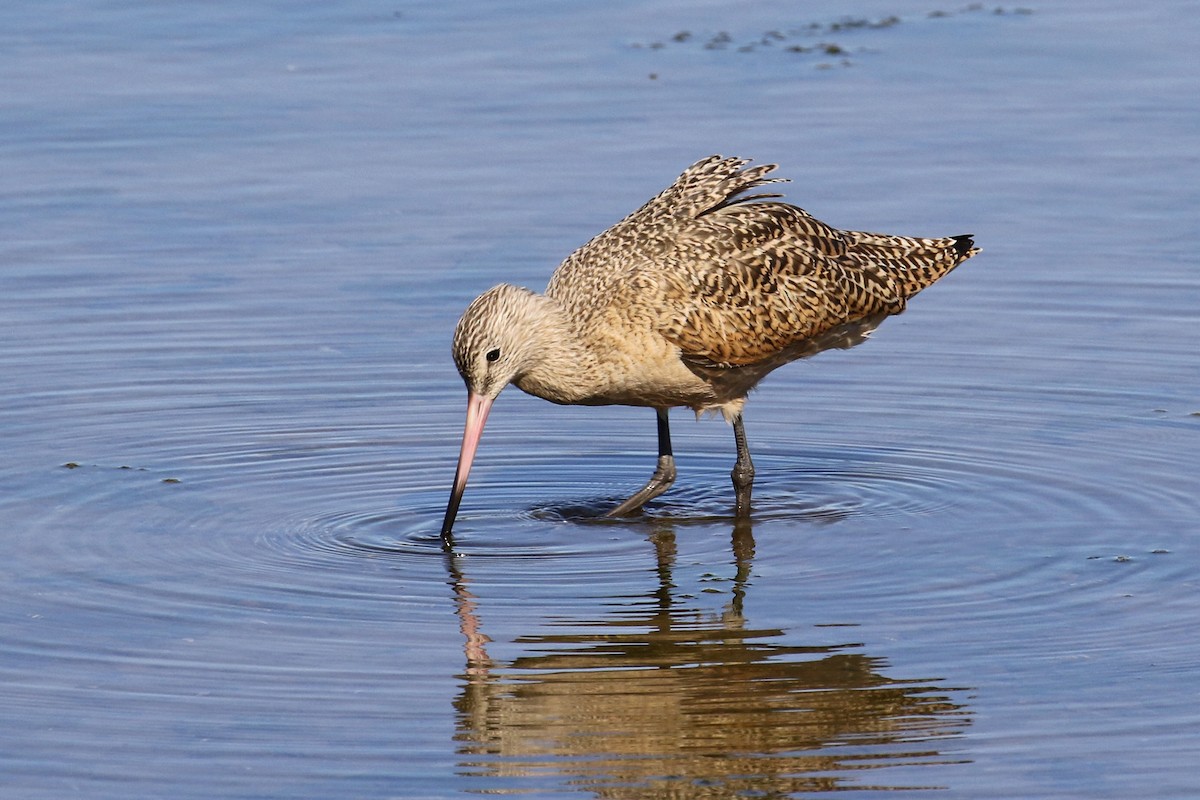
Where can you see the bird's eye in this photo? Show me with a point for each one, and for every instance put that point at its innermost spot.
(493, 354)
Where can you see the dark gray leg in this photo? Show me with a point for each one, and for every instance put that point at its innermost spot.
(664, 473)
(743, 470)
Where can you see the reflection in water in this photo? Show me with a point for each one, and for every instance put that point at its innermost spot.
(665, 698)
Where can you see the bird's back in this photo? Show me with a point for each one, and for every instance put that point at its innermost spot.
(736, 279)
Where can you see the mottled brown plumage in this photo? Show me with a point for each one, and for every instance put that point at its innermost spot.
(689, 301)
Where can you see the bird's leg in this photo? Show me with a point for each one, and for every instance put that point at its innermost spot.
(664, 473)
(743, 470)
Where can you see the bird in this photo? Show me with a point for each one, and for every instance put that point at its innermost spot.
(689, 301)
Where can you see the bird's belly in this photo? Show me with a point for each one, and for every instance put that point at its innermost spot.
(655, 395)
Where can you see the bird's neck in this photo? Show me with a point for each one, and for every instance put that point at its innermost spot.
(558, 366)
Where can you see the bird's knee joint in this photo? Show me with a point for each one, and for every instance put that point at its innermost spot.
(742, 475)
(665, 467)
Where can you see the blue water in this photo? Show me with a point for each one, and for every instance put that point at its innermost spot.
(235, 239)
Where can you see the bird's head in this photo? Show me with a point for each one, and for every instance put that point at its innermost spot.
(493, 342)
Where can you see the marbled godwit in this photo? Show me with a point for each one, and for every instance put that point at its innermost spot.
(689, 301)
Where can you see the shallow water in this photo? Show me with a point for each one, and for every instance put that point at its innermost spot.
(233, 244)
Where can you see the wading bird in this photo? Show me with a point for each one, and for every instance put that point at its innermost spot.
(689, 301)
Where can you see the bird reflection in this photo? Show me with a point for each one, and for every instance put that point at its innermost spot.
(663, 698)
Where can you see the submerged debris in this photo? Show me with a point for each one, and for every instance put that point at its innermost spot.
(119, 468)
(783, 38)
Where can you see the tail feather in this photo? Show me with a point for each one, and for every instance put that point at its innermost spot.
(964, 245)
(880, 272)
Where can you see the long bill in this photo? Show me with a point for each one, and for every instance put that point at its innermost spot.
(477, 414)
